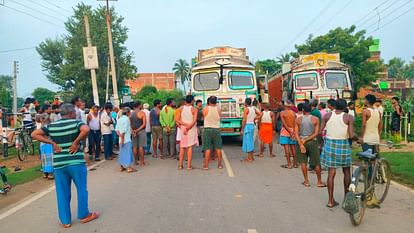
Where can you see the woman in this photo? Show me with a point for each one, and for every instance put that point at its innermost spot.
(396, 115)
(123, 130)
(46, 150)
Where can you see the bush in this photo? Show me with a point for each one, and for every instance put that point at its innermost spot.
(149, 93)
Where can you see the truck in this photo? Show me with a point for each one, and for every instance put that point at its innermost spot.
(319, 76)
(227, 73)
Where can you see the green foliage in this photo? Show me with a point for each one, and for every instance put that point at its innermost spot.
(399, 70)
(42, 94)
(149, 93)
(353, 48)
(181, 70)
(24, 176)
(402, 164)
(283, 58)
(268, 65)
(62, 58)
(6, 91)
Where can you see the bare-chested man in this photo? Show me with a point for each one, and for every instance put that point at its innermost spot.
(287, 134)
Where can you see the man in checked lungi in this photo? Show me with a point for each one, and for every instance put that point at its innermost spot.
(336, 151)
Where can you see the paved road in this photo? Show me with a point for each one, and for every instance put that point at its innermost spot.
(261, 197)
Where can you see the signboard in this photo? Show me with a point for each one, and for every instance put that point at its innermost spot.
(383, 85)
(221, 51)
(90, 58)
(319, 59)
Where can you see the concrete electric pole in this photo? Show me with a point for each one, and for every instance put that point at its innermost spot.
(15, 71)
(111, 54)
(93, 73)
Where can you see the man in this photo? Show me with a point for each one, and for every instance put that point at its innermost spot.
(315, 112)
(167, 122)
(336, 152)
(95, 132)
(186, 118)
(68, 163)
(27, 116)
(107, 126)
(266, 122)
(77, 102)
(55, 115)
(287, 134)
(322, 109)
(306, 132)
(371, 131)
(147, 147)
(200, 120)
(351, 109)
(123, 130)
(212, 136)
(331, 105)
(378, 105)
(139, 136)
(250, 115)
(156, 129)
(114, 117)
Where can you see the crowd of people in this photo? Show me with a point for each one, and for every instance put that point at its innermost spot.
(314, 136)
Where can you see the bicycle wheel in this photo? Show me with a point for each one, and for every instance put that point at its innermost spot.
(360, 195)
(21, 149)
(382, 180)
(29, 144)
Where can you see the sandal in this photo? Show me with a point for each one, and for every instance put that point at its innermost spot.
(305, 184)
(189, 168)
(220, 167)
(92, 216)
(332, 205)
(323, 185)
(122, 169)
(51, 177)
(131, 170)
(286, 166)
(295, 165)
(205, 168)
(180, 167)
(66, 225)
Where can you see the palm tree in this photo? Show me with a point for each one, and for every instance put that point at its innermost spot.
(182, 70)
(283, 58)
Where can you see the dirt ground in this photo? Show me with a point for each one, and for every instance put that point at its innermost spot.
(30, 161)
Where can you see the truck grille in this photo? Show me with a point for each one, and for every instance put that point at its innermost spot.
(228, 109)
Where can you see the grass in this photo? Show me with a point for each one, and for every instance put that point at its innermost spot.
(402, 165)
(12, 153)
(24, 176)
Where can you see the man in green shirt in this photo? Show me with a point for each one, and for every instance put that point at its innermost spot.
(167, 121)
(316, 113)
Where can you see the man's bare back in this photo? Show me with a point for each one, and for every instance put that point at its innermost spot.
(288, 117)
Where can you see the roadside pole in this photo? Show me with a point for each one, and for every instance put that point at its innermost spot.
(15, 71)
(93, 73)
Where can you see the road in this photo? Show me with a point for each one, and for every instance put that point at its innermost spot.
(262, 197)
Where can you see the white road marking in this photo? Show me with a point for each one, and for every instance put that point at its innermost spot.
(227, 163)
(37, 196)
(251, 231)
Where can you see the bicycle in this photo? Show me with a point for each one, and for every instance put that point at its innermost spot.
(24, 143)
(369, 180)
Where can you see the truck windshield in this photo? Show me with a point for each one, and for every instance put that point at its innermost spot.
(241, 80)
(206, 81)
(335, 80)
(306, 81)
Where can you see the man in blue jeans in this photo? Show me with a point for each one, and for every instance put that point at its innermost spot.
(68, 163)
(107, 125)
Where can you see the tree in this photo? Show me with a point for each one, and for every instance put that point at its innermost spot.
(181, 70)
(149, 93)
(354, 51)
(268, 65)
(62, 58)
(42, 94)
(284, 58)
(409, 69)
(6, 92)
(396, 67)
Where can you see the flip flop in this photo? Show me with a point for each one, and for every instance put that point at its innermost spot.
(305, 184)
(322, 186)
(333, 205)
(246, 161)
(66, 225)
(180, 167)
(220, 167)
(205, 168)
(92, 216)
(285, 166)
(132, 170)
(189, 168)
(295, 166)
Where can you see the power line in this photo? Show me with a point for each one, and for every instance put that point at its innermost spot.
(308, 25)
(373, 10)
(57, 6)
(36, 10)
(38, 18)
(15, 50)
(44, 6)
(378, 13)
(399, 16)
(390, 13)
(333, 16)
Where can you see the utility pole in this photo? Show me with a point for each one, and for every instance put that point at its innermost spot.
(15, 71)
(108, 70)
(93, 73)
(111, 53)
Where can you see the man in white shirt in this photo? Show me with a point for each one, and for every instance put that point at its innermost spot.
(147, 148)
(107, 126)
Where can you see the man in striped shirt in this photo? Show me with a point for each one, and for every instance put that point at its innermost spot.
(68, 162)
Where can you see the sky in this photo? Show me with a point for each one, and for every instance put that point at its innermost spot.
(162, 31)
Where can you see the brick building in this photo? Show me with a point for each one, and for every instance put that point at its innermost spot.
(162, 81)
